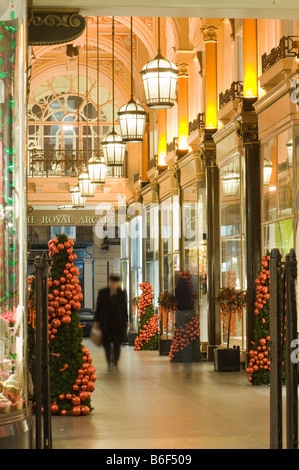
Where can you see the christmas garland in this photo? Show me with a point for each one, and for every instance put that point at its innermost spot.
(259, 364)
(147, 338)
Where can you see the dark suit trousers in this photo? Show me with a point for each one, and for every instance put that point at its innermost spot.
(114, 337)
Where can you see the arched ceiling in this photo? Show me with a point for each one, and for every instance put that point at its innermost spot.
(51, 59)
(283, 9)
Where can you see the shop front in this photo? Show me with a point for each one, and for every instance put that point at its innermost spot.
(15, 380)
(230, 158)
(194, 232)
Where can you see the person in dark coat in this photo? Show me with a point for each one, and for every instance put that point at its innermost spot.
(111, 316)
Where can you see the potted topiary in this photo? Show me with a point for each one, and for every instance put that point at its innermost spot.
(231, 302)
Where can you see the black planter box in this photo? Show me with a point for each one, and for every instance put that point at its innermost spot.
(227, 360)
(131, 338)
(164, 346)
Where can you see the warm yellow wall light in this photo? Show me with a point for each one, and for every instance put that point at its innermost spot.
(250, 72)
(210, 38)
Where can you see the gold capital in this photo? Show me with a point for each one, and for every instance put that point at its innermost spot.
(209, 33)
(183, 70)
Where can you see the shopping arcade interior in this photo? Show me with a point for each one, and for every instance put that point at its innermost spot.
(277, 208)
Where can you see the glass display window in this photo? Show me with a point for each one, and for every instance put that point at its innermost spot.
(170, 233)
(13, 223)
(279, 235)
(136, 264)
(125, 261)
(151, 230)
(232, 242)
(285, 173)
(269, 178)
(280, 196)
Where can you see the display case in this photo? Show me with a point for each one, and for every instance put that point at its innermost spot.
(135, 265)
(232, 242)
(151, 230)
(15, 419)
(195, 247)
(170, 234)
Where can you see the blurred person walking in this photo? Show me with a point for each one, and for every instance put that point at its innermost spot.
(111, 316)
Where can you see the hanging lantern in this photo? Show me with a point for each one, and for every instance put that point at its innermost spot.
(231, 183)
(160, 77)
(267, 172)
(77, 199)
(112, 144)
(87, 188)
(114, 149)
(132, 116)
(96, 165)
(97, 170)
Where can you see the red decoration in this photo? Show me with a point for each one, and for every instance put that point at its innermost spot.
(148, 328)
(54, 408)
(76, 410)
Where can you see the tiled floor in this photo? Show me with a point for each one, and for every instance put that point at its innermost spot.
(153, 404)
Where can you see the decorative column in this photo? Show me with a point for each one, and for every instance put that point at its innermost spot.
(162, 136)
(248, 131)
(208, 149)
(211, 96)
(183, 115)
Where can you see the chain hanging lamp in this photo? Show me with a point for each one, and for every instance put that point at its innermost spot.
(114, 147)
(87, 188)
(77, 200)
(96, 164)
(160, 78)
(132, 116)
(231, 183)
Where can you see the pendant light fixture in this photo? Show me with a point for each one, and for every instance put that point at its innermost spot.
(160, 78)
(231, 183)
(267, 171)
(113, 146)
(87, 188)
(132, 116)
(96, 164)
(77, 200)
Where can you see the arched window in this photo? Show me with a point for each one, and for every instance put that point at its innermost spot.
(53, 111)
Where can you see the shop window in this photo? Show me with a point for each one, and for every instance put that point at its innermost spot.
(279, 235)
(285, 173)
(269, 178)
(280, 197)
(151, 230)
(232, 233)
(170, 233)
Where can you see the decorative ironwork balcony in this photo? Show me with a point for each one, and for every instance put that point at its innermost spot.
(198, 123)
(153, 162)
(287, 48)
(235, 91)
(58, 163)
(172, 146)
(136, 177)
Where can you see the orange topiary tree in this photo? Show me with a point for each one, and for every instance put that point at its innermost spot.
(147, 338)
